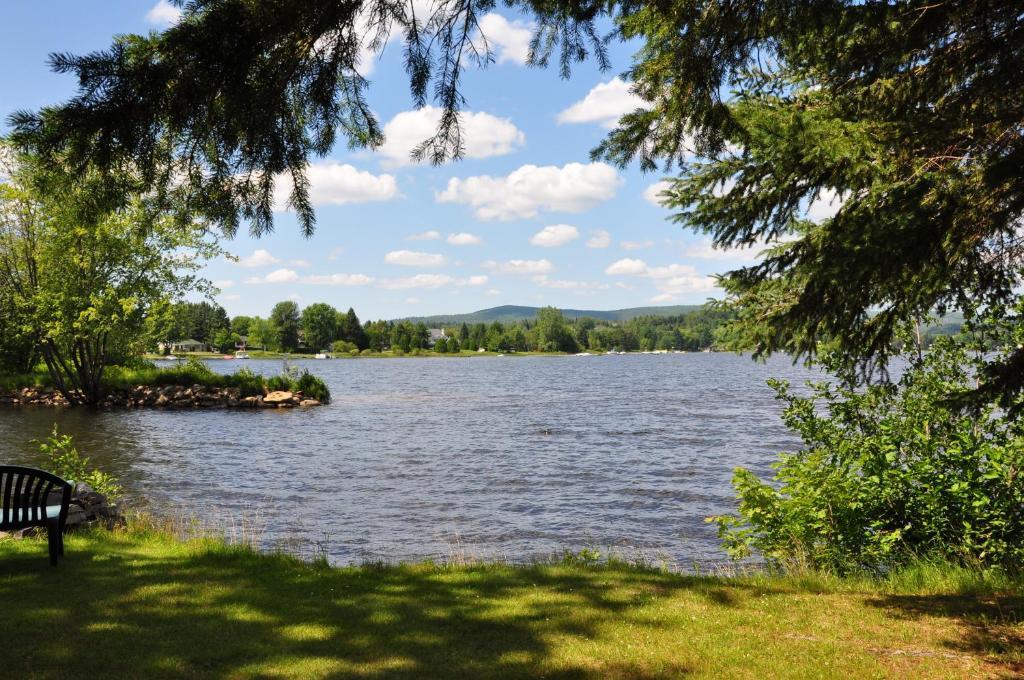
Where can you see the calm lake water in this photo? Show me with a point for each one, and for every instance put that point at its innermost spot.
(513, 457)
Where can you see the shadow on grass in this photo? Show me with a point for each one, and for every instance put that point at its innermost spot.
(228, 613)
(991, 626)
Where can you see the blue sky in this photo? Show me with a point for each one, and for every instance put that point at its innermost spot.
(525, 218)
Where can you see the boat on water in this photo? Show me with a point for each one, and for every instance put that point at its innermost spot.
(241, 355)
(583, 354)
(322, 356)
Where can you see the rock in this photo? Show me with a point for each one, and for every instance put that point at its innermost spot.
(277, 398)
(309, 402)
(162, 400)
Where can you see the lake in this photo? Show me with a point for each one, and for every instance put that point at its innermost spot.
(514, 457)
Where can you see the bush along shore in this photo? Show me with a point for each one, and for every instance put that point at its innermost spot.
(183, 387)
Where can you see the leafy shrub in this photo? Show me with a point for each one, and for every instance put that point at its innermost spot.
(887, 474)
(279, 383)
(343, 347)
(64, 461)
(312, 387)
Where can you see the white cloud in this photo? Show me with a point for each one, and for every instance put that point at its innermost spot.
(431, 281)
(626, 266)
(604, 104)
(653, 192)
(412, 300)
(335, 253)
(300, 263)
(509, 40)
(276, 276)
(232, 297)
(163, 13)
(670, 280)
(259, 258)
(825, 205)
(636, 245)
(483, 135)
(338, 279)
(599, 238)
(706, 250)
(431, 235)
(412, 258)
(520, 266)
(573, 187)
(332, 183)
(224, 284)
(464, 239)
(493, 291)
(555, 235)
(563, 284)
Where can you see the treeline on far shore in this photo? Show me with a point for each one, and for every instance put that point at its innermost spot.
(321, 327)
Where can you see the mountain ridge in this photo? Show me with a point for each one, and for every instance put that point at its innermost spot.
(508, 313)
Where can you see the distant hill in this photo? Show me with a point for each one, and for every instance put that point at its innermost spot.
(507, 313)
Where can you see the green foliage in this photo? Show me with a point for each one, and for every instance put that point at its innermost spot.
(343, 347)
(284, 318)
(319, 325)
(887, 474)
(312, 387)
(64, 460)
(82, 283)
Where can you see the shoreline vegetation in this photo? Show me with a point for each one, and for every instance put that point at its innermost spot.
(189, 385)
(153, 596)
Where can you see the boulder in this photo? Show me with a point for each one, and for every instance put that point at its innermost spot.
(278, 398)
(309, 402)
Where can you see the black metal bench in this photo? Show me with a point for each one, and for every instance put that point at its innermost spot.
(25, 501)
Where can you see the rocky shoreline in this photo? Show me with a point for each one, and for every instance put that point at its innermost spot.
(169, 396)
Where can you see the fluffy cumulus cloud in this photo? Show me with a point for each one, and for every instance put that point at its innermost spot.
(653, 192)
(332, 183)
(520, 266)
(431, 281)
(338, 279)
(412, 258)
(555, 235)
(508, 40)
(626, 266)
(670, 280)
(224, 284)
(431, 235)
(604, 104)
(277, 276)
(259, 258)
(574, 187)
(599, 238)
(163, 13)
(483, 135)
(464, 239)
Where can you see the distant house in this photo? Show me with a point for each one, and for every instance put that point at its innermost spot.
(242, 343)
(189, 345)
(435, 335)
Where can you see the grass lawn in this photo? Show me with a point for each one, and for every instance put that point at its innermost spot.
(141, 604)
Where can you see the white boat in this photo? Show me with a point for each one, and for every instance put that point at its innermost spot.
(241, 355)
(583, 354)
(322, 356)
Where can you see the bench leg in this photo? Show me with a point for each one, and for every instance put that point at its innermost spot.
(53, 540)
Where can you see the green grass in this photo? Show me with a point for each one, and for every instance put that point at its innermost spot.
(139, 603)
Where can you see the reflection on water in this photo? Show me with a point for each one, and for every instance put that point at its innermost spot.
(516, 456)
